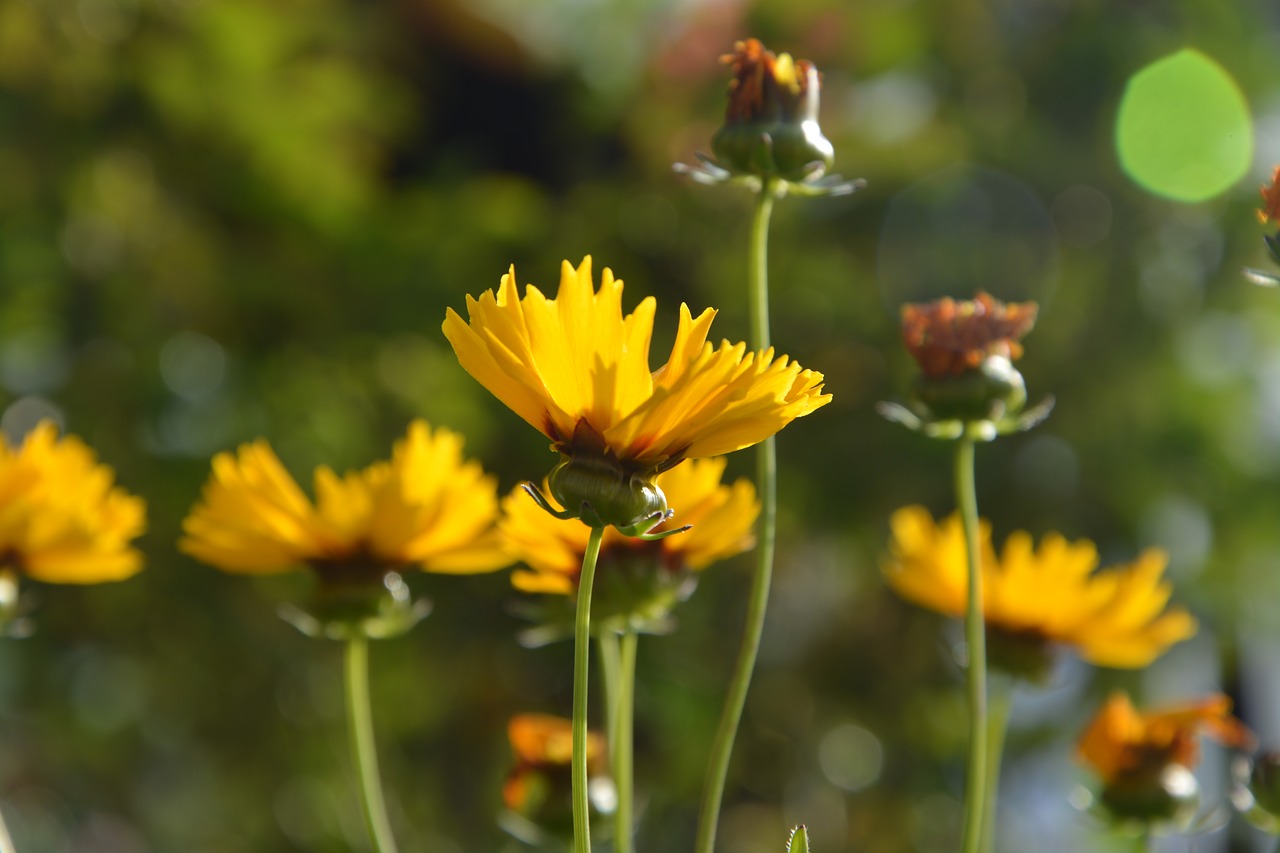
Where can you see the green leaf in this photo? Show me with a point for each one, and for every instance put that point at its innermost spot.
(798, 842)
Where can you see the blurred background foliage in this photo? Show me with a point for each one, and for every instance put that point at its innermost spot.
(221, 219)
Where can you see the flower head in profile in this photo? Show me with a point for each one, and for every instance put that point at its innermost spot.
(1145, 759)
(537, 792)
(967, 384)
(577, 368)
(771, 129)
(1037, 597)
(427, 507)
(62, 518)
(637, 581)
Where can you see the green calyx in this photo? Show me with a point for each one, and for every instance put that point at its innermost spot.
(790, 151)
(994, 391)
(357, 600)
(1158, 795)
(635, 590)
(598, 489)
(1026, 656)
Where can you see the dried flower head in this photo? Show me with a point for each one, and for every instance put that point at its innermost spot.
(949, 337)
(1270, 210)
(1121, 741)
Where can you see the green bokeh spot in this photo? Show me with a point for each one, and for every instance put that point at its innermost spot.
(1184, 130)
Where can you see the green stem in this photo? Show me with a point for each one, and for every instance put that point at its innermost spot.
(624, 745)
(976, 652)
(581, 662)
(6, 841)
(360, 728)
(610, 668)
(997, 727)
(757, 603)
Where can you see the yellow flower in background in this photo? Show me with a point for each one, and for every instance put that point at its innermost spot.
(722, 519)
(577, 368)
(427, 507)
(1051, 594)
(62, 519)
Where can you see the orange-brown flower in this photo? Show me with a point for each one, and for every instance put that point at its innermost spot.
(543, 747)
(768, 87)
(1270, 210)
(1121, 741)
(949, 337)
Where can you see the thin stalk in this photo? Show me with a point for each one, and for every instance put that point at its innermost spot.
(997, 727)
(581, 663)
(363, 751)
(624, 745)
(6, 842)
(976, 652)
(610, 667)
(758, 601)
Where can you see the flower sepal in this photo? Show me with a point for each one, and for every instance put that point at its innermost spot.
(710, 173)
(357, 601)
(921, 420)
(1265, 279)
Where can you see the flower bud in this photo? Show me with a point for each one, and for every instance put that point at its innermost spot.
(602, 492)
(771, 124)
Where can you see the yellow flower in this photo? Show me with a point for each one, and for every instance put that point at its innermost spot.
(577, 368)
(62, 520)
(426, 507)
(722, 517)
(1052, 594)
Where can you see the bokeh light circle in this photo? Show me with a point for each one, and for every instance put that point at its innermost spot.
(1183, 130)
